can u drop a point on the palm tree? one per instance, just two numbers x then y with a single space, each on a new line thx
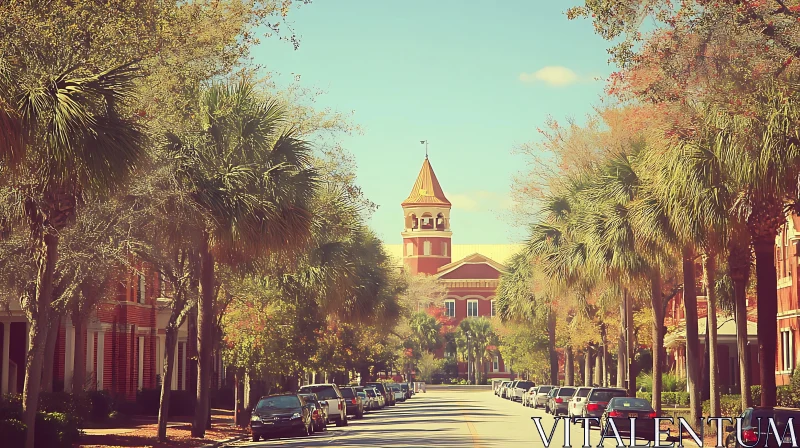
425 331
250 177
65 132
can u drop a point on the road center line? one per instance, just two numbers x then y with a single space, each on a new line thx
473 432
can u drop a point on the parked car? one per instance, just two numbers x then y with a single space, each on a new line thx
559 402
337 410
382 388
509 395
578 401
541 396
528 396
353 403
276 414
399 395
498 386
550 395
504 389
519 389
753 436
366 400
598 399
374 402
406 390
319 411
622 409
380 402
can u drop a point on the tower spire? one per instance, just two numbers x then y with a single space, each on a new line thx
425 142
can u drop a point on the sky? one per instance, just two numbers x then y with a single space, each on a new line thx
473 78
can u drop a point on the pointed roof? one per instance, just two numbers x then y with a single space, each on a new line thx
427 190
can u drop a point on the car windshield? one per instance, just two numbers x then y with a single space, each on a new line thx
369 392
310 398
404 387
582 392
323 392
525 385
605 395
566 391
347 392
361 394
281 402
629 403
544 389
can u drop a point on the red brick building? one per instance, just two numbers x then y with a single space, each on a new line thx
471 280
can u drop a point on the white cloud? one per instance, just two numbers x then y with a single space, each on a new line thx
557 76
480 201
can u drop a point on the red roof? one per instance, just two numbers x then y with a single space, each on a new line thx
427 190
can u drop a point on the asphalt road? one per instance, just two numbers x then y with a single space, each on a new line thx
443 419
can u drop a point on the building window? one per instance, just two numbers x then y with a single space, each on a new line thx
409 249
448 354
496 364
141 288
493 310
787 345
472 308
426 247
162 285
444 248
140 370
450 308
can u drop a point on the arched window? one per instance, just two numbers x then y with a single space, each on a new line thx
440 224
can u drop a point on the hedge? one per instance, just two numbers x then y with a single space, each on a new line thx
668 398
181 402
12 433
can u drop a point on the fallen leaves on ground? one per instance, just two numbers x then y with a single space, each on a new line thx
145 437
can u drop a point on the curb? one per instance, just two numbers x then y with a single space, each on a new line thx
224 442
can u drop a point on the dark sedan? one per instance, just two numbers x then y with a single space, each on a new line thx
559 402
752 435
622 409
281 414
597 401
354 403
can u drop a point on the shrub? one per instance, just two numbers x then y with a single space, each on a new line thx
12 433
181 402
101 404
675 398
729 406
56 430
11 407
669 382
78 406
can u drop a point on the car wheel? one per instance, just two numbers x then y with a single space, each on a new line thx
255 438
340 422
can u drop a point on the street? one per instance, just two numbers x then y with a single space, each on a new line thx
442 417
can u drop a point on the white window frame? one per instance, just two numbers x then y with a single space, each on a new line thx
426 247
469 302
444 248
493 312
496 364
409 249
787 349
447 310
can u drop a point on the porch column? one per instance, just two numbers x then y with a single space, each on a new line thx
6 342
160 350
89 353
101 345
183 373
69 357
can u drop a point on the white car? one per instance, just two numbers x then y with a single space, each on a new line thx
520 387
527 397
541 396
578 402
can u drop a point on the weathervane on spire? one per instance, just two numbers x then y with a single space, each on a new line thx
425 142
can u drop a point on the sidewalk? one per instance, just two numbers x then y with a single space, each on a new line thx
141 432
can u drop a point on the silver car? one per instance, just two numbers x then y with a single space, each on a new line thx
578 401
541 396
520 387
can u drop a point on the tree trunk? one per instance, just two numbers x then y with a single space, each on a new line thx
587 371
171 341
739 263
569 367
692 337
604 355
767 290
38 314
79 369
656 300
598 367
710 280
551 345
50 352
621 346
191 351
631 354
239 399
205 340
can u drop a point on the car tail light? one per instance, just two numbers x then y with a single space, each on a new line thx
749 436
592 407
558 400
653 415
315 414
354 401
614 414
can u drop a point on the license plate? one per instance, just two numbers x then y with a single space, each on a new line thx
633 415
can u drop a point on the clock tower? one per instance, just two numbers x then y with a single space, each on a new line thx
426 237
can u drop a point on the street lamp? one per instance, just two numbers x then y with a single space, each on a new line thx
469 360
425 142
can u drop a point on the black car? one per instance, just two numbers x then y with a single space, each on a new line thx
388 395
406 390
337 411
622 409
354 403
276 414
764 437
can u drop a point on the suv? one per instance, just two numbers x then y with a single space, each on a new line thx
337 410
519 389
387 393
281 413
353 403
